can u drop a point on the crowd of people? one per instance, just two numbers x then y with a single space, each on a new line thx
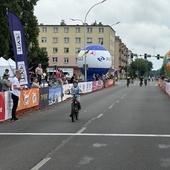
37 78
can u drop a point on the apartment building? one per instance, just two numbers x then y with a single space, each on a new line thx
63 43
122 58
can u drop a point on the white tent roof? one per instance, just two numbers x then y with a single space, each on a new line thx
3 62
11 62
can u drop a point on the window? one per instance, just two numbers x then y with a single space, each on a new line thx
101 41
55 40
44 29
66 29
55 50
66 50
101 30
55 59
55 29
89 40
66 40
78 40
66 60
77 50
43 39
89 30
77 29
44 49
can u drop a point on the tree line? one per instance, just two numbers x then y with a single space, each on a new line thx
24 9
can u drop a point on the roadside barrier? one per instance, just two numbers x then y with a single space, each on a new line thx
39 98
165 86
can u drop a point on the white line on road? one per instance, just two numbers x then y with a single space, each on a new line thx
100 116
81 130
40 164
87 134
110 106
123 96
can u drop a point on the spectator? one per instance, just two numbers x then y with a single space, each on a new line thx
58 74
6 83
94 77
35 83
97 77
39 73
72 78
0 84
65 81
104 80
6 72
16 87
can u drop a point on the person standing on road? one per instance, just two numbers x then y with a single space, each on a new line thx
39 73
16 87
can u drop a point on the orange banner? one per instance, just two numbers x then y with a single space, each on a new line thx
28 98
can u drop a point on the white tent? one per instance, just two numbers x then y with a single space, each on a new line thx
4 64
11 63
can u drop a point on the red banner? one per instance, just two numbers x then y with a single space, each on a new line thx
2 106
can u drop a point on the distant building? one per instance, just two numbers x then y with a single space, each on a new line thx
122 57
63 43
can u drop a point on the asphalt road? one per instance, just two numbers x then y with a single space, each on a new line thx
119 128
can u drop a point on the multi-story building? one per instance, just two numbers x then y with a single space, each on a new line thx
63 43
121 58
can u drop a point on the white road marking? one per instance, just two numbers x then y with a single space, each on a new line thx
163 146
86 160
40 164
99 116
98 145
123 96
111 105
87 134
89 122
81 130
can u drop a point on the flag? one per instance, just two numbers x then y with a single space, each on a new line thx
19 46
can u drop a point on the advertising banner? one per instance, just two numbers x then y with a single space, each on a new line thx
54 95
2 106
19 46
89 86
65 88
99 84
28 98
83 87
94 86
8 105
44 96
109 82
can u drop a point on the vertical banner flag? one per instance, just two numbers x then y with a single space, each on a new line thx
19 46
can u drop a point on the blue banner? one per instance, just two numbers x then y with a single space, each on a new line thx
54 95
19 46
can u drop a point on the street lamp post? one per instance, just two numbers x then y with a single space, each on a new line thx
84 23
114 54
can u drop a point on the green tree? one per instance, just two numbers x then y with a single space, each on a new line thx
5 41
24 9
141 67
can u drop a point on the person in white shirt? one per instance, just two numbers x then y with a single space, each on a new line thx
16 87
39 73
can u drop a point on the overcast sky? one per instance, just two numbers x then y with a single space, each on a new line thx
144 24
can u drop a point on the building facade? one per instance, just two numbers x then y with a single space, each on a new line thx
122 58
63 43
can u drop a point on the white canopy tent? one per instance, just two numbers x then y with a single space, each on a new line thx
4 64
